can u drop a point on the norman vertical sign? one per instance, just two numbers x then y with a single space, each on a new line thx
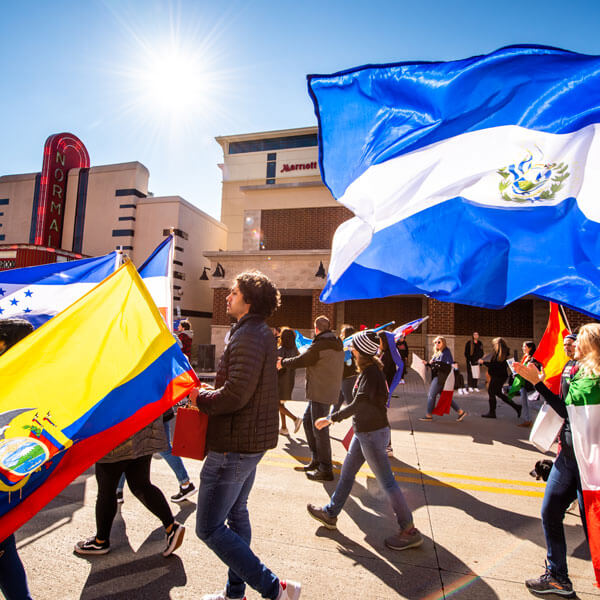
62 151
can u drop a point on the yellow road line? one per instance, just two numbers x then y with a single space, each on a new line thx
287 460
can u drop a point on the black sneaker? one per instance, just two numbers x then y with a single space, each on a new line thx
184 493
311 466
321 515
549 584
92 546
318 475
174 538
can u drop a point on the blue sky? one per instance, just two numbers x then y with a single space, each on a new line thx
156 81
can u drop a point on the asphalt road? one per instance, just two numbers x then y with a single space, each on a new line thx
468 484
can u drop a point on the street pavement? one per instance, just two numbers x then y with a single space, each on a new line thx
468 484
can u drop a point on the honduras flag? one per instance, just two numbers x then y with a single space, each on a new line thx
38 293
473 181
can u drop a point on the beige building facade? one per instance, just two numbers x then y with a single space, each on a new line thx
109 207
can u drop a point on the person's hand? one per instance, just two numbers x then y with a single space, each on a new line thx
527 372
193 396
322 423
425 362
279 367
480 361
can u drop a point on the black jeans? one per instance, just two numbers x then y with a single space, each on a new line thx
318 440
495 390
137 473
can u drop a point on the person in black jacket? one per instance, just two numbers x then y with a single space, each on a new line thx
243 423
564 483
371 437
473 352
498 371
286 379
324 363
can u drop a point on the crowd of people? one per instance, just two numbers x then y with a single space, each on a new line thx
354 376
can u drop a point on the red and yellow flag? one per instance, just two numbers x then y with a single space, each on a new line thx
550 351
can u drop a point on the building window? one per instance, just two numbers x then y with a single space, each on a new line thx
4 201
127 205
177 232
130 192
179 275
1 214
123 247
282 143
122 232
176 298
178 262
179 248
126 218
2 237
271 167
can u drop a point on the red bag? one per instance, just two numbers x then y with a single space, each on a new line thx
189 438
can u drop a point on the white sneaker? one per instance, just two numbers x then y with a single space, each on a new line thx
466 391
290 590
460 391
471 390
218 596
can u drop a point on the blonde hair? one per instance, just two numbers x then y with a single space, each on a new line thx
438 352
588 344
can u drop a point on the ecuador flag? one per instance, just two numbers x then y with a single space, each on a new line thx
78 386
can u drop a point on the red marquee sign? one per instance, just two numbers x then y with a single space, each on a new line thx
62 151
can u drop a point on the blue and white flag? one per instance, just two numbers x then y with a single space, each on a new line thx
473 181
38 293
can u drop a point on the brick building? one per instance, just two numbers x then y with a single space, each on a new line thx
281 219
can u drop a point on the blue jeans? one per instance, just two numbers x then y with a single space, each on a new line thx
370 446
225 483
13 581
318 440
525 414
435 389
173 461
563 486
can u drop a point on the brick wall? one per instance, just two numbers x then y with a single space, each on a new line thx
318 308
301 228
382 310
220 316
576 319
516 320
441 317
294 312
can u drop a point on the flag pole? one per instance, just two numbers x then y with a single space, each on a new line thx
563 314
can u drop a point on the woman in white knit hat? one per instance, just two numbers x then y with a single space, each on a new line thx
371 437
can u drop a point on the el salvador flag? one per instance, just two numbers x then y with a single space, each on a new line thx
474 181
39 293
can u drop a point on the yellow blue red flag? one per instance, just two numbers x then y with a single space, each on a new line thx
78 386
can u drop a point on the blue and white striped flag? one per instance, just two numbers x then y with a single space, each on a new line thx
473 181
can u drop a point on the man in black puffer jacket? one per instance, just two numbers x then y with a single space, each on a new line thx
243 424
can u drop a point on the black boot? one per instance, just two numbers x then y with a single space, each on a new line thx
489 415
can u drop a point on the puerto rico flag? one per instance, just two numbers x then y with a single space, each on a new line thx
472 181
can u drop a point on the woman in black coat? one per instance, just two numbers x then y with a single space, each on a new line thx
473 352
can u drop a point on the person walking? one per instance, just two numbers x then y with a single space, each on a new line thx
286 379
133 458
324 363
473 352
371 437
402 346
564 483
529 348
498 371
349 372
243 424
440 365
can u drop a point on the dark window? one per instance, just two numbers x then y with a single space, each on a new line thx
271 156
122 232
1 214
127 206
130 192
293 141
176 298
270 169
178 262
82 187
126 218
124 247
176 287
3 200
179 248
2 236
177 232
34 207
179 275
196 313
270 181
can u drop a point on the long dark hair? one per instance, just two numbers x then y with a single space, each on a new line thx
531 347
287 338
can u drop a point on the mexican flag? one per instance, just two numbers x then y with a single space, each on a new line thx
583 406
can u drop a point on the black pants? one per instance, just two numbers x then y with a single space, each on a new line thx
495 390
137 473
471 381
318 439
